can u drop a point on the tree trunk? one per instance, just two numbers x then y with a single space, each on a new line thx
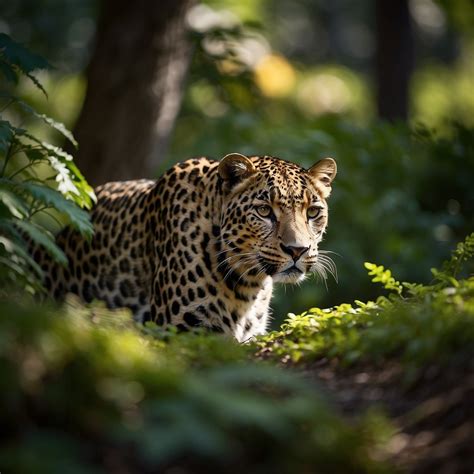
135 83
394 58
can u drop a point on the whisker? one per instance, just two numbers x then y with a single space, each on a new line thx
228 259
322 274
246 271
233 269
324 271
325 252
328 264
261 271
237 255
225 244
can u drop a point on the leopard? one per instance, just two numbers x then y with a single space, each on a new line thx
201 246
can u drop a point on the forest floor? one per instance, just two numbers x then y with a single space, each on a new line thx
92 389
433 415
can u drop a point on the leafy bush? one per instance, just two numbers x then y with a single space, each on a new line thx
87 391
419 324
37 179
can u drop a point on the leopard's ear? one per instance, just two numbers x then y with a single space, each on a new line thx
234 168
324 172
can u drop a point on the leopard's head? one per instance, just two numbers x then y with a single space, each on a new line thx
273 216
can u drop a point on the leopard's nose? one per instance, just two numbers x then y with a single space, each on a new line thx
294 252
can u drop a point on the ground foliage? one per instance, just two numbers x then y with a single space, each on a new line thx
87 387
85 390
418 324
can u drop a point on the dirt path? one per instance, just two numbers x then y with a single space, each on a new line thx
434 414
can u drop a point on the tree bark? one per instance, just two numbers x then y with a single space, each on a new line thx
394 58
134 88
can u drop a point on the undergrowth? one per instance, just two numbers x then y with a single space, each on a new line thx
419 324
40 186
86 390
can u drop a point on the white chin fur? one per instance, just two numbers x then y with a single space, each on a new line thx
289 279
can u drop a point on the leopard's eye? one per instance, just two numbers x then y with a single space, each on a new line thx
264 210
313 212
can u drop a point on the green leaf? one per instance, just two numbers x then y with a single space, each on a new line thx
51 149
44 238
16 246
33 153
7 132
78 218
464 252
86 193
58 126
17 54
21 59
383 276
17 206
71 182
8 72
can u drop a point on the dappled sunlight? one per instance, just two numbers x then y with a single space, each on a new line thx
334 90
203 18
322 94
275 76
442 94
205 98
428 16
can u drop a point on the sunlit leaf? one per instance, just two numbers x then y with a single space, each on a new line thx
58 126
17 206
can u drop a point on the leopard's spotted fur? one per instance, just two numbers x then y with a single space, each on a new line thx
202 245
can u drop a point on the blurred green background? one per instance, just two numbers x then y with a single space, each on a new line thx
300 83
